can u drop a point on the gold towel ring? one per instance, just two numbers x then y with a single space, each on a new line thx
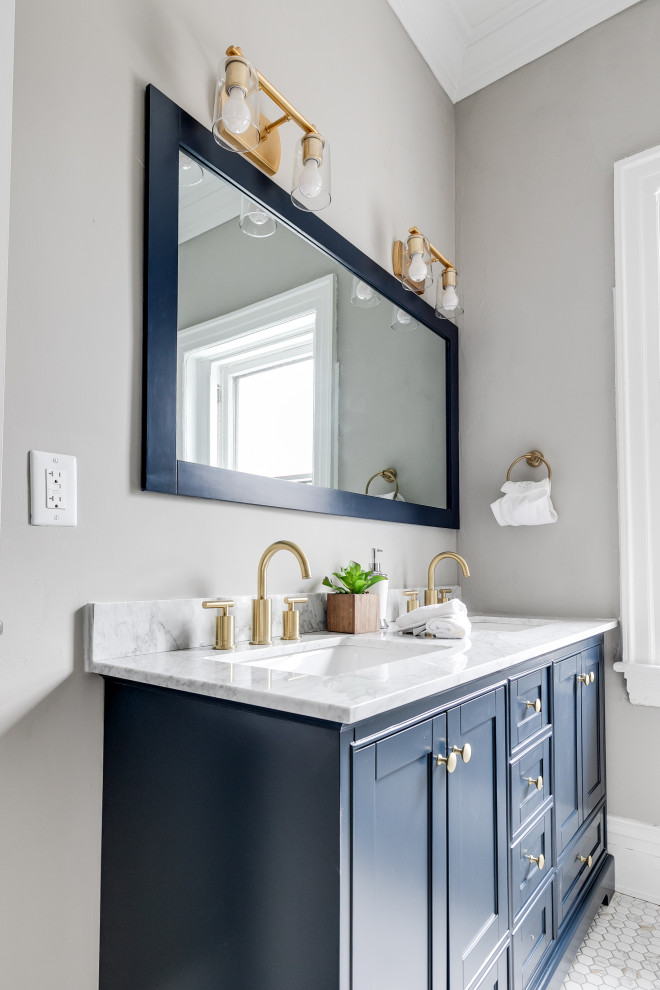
389 475
534 458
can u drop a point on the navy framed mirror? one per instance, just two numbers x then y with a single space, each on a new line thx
282 366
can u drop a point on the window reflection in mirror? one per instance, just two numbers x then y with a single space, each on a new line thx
284 371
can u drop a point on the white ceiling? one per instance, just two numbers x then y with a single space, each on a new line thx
468 44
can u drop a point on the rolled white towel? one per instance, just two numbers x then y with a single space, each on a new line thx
420 616
525 503
451 628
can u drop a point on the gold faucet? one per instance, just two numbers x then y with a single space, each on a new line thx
262 607
431 595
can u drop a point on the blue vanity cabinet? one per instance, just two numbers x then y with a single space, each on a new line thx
251 849
429 851
579 741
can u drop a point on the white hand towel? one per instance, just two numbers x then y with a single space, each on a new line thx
525 503
420 616
399 497
451 628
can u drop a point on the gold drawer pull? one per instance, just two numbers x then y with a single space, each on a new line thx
587 679
536 705
586 859
465 751
592 677
537 781
539 860
450 762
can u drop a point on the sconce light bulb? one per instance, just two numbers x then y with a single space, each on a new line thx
364 291
449 298
402 317
311 181
236 114
417 270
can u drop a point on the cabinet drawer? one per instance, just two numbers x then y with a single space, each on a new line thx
530 784
526 875
529 693
574 871
532 939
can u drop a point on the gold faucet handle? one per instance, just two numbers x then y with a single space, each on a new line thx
413 600
224 625
220 605
445 594
291 618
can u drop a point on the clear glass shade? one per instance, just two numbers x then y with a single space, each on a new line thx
255 220
363 296
236 124
311 174
402 320
190 173
416 271
447 302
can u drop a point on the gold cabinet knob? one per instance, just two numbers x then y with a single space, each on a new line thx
450 762
586 859
536 781
536 705
413 601
584 679
539 860
224 625
465 751
592 677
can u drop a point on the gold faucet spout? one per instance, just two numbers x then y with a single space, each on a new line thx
431 595
267 556
261 605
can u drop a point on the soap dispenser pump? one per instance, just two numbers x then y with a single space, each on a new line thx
381 587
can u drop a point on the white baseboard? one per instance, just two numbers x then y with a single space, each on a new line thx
636 850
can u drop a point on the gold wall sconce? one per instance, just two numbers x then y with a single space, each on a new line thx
239 125
412 263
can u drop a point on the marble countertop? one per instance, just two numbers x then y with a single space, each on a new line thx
354 695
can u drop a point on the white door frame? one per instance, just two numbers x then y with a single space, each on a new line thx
637 312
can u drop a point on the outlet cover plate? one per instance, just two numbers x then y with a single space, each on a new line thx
53 489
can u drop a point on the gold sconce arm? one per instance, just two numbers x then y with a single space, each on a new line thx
448 268
290 112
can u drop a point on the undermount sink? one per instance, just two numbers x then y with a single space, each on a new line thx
494 623
345 655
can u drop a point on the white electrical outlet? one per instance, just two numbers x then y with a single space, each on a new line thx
53 489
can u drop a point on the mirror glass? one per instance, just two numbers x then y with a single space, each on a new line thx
290 367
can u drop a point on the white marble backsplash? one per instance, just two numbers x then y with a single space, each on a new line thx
128 629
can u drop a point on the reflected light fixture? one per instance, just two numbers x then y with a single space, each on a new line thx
239 125
402 320
190 173
412 263
363 295
255 220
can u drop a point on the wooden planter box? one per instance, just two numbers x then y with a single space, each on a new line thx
353 613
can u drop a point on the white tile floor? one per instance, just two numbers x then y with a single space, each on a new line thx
621 949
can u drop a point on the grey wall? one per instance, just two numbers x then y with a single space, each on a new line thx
6 87
391 402
535 249
73 385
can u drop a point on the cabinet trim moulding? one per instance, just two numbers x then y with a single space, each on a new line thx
636 849
637 320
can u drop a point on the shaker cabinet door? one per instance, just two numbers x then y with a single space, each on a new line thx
477 836
392 862
593 737
567 741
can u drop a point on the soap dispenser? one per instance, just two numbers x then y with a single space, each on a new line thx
380 588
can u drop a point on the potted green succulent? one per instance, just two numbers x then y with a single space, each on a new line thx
350 608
